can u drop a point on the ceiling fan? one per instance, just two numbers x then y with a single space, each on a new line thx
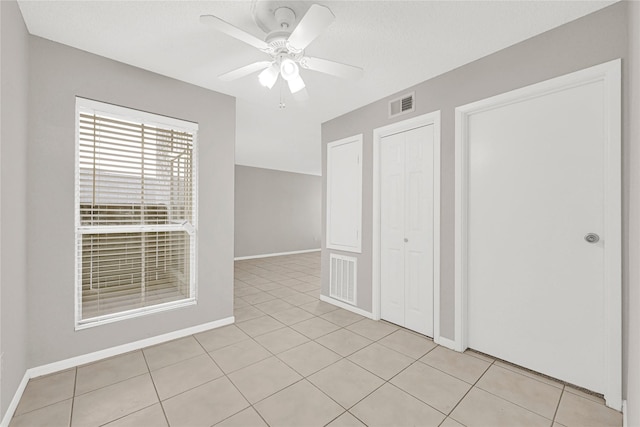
285 48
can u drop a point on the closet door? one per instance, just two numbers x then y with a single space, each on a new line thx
407 229
392 215
419 230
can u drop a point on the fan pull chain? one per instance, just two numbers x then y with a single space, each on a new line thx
282 105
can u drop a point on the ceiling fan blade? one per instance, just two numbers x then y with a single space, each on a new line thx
302 96
296 84
312 24
245 71
235 32
330 67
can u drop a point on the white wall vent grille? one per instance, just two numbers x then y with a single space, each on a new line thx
342 280
404 104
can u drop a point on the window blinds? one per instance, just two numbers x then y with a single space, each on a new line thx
135 213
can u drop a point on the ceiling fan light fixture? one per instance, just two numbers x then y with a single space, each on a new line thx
296 84
289 69
268 76
285 43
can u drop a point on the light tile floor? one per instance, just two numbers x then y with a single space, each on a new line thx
292 360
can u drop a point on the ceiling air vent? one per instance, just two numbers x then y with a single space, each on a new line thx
404 104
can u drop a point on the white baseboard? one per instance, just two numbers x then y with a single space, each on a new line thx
95 356
14 402
625 422
346 306
305 251
445 342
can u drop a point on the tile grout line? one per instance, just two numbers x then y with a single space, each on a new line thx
144 356
204 383
303 377
48 404
384 381
73 396
410 394
507 400
531 375
126 415
255 363
449 374
555 414
170 364
338 416
517 404
514 403
244 397
468 391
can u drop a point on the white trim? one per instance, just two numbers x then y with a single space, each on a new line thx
77 290
305 251
136 312
125 348
460 229
95 356
608 72
355 139
625 421
15 401
129 114
346 306
432 118
445 342
436 225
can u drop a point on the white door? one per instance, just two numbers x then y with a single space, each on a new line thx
406 229
535 284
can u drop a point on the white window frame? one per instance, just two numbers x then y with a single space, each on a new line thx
91 106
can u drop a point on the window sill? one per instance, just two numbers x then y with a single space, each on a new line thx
131 314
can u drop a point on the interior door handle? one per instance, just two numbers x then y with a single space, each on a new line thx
592 238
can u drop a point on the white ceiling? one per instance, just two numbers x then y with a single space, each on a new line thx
398 43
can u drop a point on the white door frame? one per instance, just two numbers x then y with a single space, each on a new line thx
609 73
432 118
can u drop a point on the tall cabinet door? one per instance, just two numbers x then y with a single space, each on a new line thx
407 229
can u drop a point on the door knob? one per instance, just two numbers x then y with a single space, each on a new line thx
592 238
406 240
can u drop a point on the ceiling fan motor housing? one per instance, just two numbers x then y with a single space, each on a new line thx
285 17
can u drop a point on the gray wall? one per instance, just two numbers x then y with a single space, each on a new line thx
58 73
276 211
632 163
13 176
591 40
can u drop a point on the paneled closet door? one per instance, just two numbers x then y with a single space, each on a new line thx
407 229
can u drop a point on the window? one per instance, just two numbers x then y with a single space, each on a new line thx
136 213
